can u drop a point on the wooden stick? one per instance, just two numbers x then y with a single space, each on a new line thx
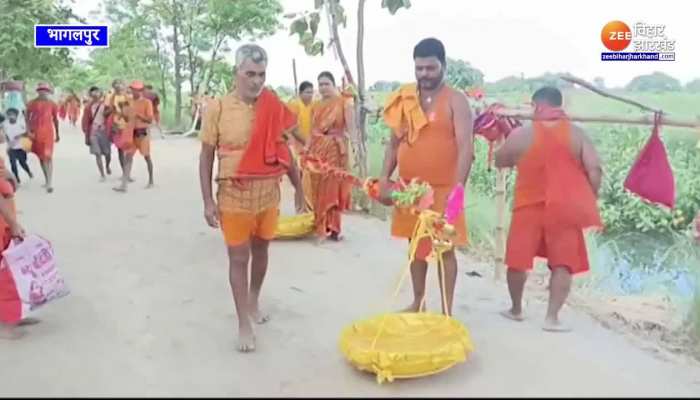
500 220
643 120
294 71
592 88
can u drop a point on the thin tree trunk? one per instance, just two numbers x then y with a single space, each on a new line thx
332 9
178 71
360 108
214 54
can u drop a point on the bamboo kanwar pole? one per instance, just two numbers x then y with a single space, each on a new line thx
643 120
500 219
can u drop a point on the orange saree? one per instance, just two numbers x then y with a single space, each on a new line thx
326 194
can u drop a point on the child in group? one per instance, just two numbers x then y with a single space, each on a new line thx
15 130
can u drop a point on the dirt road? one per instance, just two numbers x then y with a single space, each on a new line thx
151 312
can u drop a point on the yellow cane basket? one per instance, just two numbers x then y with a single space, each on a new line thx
409 345
295 226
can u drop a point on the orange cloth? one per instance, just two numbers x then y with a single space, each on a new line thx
431 157
239 227
73 108
553 202
42 114
267 154
530 236
403 223
227 125
10 303
142 145
142 107
328 195
403 113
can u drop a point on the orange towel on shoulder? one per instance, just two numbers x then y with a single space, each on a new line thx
403 113
267 154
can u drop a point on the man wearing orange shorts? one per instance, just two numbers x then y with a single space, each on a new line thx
245 129
437 147
559 175
141 117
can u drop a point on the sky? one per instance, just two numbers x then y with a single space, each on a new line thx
501 38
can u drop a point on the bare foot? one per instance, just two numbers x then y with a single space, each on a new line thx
109 171
29 322
512 316
150 186
49 190
103 179
257 316
413 308
320 241
337 237
121 189
10 332
553 325
246 340
131 180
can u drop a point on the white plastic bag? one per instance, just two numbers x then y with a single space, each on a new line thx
33 266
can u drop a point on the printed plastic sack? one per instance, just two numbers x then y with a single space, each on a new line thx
32 264
651 176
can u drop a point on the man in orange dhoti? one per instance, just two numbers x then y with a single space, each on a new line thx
42 120
72 105
332 123
246 128
141 117
559 174
115 121
432 141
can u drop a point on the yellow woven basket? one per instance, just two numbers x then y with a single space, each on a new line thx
406 345
295 226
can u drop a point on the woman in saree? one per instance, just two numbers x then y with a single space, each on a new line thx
332 121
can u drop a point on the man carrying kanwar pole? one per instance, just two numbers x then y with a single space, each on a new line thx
246 129
42 120
431 140
558 178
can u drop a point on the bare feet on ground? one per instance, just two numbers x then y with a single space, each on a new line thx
10 332
246 339
554 325
29 321
513 316
121 189
151 185
258 316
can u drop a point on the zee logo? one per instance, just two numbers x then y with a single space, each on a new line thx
616 35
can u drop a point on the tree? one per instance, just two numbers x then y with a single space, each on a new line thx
384 86
461 75
655 82
17 52
306 24
507 84
197 34
693 86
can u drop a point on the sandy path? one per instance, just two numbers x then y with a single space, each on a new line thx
151 312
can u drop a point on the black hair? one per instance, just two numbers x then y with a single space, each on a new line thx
430 47
12 111
306 84
549 95
93 88
328 75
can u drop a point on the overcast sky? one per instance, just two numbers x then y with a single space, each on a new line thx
501 38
